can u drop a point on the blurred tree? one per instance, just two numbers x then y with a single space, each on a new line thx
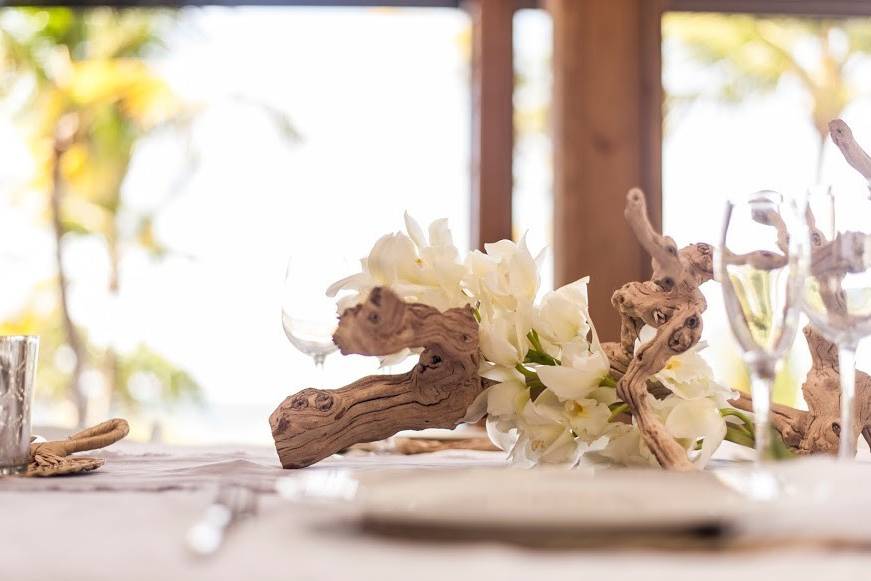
752 55
738 57
87 97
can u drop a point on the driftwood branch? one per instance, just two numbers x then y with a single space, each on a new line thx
671 303
315 423
842 135
819 430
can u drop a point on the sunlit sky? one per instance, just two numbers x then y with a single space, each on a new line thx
380 99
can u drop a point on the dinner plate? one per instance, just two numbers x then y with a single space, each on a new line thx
489 499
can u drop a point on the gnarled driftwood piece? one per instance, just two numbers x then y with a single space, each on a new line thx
671 303
818 430
315 423
842 135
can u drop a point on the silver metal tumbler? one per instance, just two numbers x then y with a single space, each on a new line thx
17 369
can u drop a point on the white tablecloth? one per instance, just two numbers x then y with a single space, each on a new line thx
128 522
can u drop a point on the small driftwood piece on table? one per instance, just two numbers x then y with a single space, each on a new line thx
819 429
315 423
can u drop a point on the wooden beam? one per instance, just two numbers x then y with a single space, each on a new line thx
607 105
492 119
814 8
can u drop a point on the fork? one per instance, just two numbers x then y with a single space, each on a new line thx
232 504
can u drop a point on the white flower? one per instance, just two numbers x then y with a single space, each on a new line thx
582 370
505 277
694 419
502 336
504 281
587 418
563 314
416 269
507 398
543 438
688 375
626 447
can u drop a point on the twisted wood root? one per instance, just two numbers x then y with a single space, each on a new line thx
315 423
671 303
819 430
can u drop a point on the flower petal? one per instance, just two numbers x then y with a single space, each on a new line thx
575 382
415 232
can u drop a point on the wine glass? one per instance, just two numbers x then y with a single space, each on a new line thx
760 264
308 316
837 294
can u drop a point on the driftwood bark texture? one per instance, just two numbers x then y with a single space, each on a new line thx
314 423
672 303
818 430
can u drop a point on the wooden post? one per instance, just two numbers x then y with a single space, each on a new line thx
492 119
607 139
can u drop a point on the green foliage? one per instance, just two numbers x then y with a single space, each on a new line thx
751 55
175 385
90 97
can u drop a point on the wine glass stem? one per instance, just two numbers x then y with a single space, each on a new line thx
319 361
761 384
847 371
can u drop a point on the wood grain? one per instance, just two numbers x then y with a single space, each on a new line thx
492 119
316 423
607 109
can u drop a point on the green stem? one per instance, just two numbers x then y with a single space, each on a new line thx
527 373
534 356
608 381
537 354
535 340
533 382
748 428
617 409
739 436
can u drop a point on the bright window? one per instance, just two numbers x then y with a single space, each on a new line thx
205 147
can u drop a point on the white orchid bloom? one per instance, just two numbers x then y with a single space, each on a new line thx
417 268
694 419
508 398
586 418
544 436
545 444
563 314
504 277
502 336
583 368
494 400
626 447
688 375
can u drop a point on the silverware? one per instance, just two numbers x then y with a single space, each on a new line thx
232 504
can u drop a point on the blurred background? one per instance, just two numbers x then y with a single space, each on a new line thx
162 164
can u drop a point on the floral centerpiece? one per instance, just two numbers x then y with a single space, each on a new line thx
553 397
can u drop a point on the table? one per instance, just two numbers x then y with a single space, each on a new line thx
128 522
